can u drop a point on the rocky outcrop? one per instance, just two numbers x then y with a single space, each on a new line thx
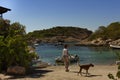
16 70
115 42
99 42
60 39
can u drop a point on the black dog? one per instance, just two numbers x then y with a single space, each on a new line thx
85 67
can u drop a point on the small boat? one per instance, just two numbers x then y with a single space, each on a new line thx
36 44
73 59
115 46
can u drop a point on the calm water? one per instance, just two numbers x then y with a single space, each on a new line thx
96 55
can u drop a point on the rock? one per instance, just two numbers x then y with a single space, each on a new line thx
41 65
115 42
17 70
118 62
95 42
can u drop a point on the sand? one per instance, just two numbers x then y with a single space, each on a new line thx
98 72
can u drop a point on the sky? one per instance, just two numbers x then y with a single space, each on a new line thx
45 14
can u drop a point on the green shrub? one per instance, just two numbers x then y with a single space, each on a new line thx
13 46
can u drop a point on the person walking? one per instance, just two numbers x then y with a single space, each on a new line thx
65 55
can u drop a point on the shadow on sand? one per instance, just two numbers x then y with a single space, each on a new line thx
32 73
92 75
84 74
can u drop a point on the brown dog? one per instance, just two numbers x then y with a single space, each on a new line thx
85 67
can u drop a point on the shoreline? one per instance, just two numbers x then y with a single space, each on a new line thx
98 72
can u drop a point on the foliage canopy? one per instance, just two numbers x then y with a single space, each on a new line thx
13 46
67 31
112 31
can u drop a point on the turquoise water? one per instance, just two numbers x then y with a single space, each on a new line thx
96 55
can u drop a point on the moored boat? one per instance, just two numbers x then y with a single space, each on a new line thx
115 46
73 59
36 44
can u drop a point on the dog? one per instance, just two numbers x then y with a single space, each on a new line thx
85 67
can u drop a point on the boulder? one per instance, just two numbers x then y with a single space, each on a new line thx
17 70
118 62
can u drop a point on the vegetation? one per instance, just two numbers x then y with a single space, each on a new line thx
112 31
118 72
13 46
74 32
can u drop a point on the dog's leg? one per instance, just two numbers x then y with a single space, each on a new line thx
86 72
80 72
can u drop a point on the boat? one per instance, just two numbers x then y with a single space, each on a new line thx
73 59
115 46
36 44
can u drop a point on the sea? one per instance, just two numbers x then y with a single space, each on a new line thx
87 54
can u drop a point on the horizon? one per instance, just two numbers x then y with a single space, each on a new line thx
45 14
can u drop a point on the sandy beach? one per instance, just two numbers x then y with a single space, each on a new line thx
98 72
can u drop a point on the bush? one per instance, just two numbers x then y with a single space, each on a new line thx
13 46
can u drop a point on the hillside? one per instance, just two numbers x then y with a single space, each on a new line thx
105 35
60 33
112 31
